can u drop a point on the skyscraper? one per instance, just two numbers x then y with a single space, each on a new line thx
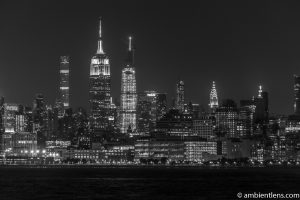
100 87
161 101
297 94
213 98
179 102
151 107
227 118
64 87
128 94
261 106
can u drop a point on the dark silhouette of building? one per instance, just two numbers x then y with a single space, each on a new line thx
179 102
261 107
296 94
227 118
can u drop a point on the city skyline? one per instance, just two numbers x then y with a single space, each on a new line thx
40 67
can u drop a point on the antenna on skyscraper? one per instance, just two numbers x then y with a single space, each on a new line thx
100 48
130 51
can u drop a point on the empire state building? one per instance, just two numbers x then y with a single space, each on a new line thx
99 88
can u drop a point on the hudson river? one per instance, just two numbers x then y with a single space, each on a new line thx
144 183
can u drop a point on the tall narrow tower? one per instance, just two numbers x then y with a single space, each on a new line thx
64 86
179 103
297 95
213 98
100 87
128 94
261 114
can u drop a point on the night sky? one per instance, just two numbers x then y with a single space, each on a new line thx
238 44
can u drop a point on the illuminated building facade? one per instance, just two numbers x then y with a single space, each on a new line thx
161 105
151 107
197 151
64 87
176 123
245 122
9 117
24 142
99 88
297 95
227 118
179 102
204 127
159 149
1 114
213 98
20 123
128 105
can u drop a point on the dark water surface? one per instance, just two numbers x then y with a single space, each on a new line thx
143 183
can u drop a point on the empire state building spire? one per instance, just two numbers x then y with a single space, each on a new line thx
100 48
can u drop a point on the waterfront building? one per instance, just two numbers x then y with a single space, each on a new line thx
204 127
160 149
24 143
199 151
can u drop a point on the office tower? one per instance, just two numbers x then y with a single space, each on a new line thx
204 126
246 117
20 122
28 119
151 107
113 115
147 111
1 114
144 105
175 123
161 105
227 118
297 95
99 88
245 122
179 101
128 94
39 110
9 117
261 107
64 87
213 98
